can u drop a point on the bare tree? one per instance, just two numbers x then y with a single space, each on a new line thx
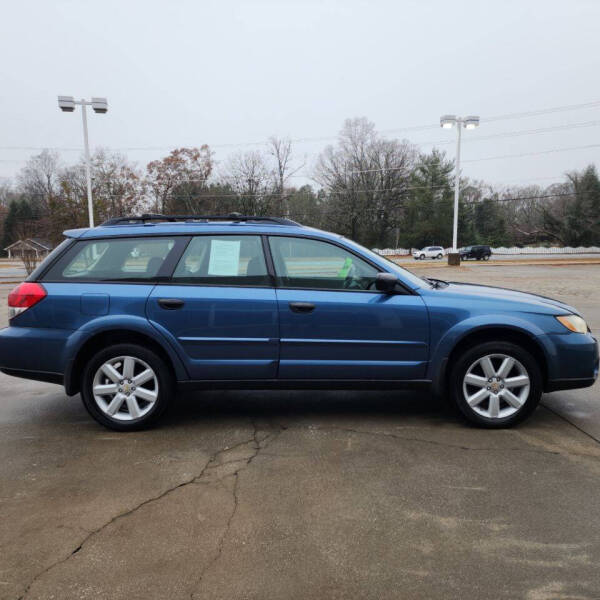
40 178
27 230
118 186
281 151
249 177
366 178
532 212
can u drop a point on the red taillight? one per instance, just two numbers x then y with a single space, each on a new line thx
24 296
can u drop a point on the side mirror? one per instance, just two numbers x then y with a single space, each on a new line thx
386 282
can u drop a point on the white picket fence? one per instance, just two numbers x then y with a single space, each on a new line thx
502 250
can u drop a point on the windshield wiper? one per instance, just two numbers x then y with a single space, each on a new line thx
437 283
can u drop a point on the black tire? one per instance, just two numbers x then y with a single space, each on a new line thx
422 257
440 256
163 377
469 357
486 257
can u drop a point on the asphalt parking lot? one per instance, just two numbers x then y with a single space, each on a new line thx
274 495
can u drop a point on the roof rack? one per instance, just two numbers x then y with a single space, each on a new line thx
235 217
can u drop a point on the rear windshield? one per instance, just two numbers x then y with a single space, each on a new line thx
122 259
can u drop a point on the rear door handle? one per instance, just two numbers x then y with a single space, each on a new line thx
302 307
170 303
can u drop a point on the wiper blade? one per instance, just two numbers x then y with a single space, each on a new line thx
436 283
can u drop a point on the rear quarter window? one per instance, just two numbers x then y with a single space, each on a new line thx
113 259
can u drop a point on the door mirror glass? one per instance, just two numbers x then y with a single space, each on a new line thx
386 282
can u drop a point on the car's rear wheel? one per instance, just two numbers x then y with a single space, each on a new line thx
126 387
486 257
496 384
440 256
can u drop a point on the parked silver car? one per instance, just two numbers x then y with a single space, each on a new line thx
428 252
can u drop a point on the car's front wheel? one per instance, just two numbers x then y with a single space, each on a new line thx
496 384
440 256
126 387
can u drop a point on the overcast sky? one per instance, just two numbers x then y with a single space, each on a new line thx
184 73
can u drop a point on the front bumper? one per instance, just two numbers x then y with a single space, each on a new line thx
574 362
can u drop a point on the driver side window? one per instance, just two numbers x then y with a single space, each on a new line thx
306 263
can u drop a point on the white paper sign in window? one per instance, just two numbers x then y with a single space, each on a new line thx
224 258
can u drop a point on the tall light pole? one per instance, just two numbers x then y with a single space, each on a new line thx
100 105
447 122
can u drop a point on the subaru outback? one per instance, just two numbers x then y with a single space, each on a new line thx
127 313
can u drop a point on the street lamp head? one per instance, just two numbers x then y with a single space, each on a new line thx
100 105
471 122
66 103
448 121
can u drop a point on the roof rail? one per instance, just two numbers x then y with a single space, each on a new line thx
235 217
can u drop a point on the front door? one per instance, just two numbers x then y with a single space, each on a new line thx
334 324
220 310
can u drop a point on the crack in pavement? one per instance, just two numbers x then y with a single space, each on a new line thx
210 463
258 446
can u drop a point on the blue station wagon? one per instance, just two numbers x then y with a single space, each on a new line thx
128 312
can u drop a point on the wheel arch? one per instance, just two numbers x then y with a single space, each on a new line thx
108 337
505 333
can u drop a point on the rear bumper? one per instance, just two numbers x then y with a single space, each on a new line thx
35 375
33 350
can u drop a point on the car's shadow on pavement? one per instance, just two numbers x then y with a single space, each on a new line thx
314 405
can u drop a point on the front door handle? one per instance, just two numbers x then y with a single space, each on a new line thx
302 307
170 303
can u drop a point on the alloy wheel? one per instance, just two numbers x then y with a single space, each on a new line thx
125 388
496 386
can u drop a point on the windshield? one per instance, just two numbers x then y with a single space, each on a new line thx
403 273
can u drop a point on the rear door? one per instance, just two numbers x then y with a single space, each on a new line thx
219 309
334 324
103 277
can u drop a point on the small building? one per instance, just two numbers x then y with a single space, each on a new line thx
40 248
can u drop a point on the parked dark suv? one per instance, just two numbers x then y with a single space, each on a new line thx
129 312
478 252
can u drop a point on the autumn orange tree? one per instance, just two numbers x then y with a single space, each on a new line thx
178 181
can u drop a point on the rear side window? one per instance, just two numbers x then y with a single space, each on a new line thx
223 260
117 259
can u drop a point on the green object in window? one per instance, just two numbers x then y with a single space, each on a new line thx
343 272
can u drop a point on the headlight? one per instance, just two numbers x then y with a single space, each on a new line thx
573 323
